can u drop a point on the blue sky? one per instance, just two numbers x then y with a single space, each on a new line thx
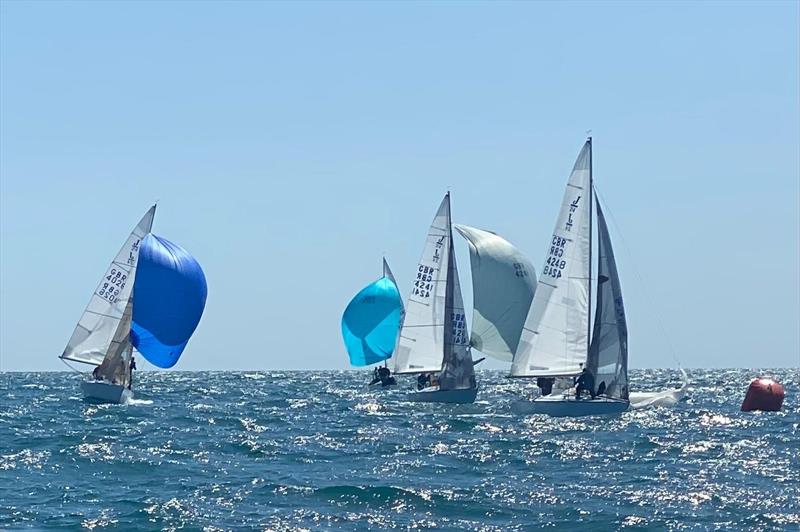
290 145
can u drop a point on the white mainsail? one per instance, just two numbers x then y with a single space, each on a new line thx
555 338
99 323
420 347
503 284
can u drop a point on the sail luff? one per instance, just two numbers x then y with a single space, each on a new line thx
97 326
554 338
589 291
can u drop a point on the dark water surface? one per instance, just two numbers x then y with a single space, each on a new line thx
309 450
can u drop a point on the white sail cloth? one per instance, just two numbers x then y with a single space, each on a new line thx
420 345
92 337
115 367
434 335
555 337
503 284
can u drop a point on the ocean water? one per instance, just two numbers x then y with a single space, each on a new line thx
314 450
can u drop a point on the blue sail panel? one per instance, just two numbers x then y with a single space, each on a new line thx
169 295
371 321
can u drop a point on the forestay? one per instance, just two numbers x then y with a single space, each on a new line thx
458 371
608 353
555 337
371 321
503 284
420 346
96 328
169 298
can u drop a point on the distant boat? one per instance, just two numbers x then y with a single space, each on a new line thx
370 325
503 284
434 340
170 291
555 341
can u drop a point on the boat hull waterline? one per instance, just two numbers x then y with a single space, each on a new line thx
570 406
105 392
435 395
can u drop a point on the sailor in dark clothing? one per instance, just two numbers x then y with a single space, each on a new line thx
132 367
585 382
545 385
383 375
422 381
375 378
96 373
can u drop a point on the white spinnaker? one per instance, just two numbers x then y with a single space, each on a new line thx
96 328
420 347
503 284
555 337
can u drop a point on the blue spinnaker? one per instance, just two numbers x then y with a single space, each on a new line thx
169 295
371 321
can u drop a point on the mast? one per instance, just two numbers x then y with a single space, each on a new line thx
589 320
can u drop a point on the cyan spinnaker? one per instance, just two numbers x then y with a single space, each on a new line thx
168 300
371 321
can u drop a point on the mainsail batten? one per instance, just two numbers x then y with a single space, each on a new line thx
95 331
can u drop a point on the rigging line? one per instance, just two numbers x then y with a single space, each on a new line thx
70 366
642 284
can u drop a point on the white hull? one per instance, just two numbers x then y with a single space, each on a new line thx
105 392
435 395
561 406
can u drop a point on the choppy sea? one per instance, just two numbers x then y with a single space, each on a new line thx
282 450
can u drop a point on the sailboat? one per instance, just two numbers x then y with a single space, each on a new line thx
503 285
434 339
556 342
370 325
170 291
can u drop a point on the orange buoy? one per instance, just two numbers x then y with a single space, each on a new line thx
763 394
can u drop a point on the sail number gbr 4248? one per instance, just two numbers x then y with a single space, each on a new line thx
555 261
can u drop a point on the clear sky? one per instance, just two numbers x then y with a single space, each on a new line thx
291 145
